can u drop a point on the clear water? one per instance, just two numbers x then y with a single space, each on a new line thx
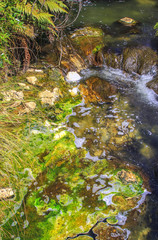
135 103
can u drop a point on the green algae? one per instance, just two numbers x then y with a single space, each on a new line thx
112 220
73 192
76 192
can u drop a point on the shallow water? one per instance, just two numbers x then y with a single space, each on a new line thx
135 103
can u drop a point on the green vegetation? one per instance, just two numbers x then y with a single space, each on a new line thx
22 23
27 139
156 28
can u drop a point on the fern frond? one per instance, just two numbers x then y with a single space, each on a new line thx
26 9
44 17
55 6
21 6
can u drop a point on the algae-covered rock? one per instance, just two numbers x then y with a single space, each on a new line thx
139 60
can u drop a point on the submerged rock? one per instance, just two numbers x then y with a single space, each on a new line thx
97 90
103 127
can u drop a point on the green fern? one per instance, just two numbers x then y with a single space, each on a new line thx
55 6
41 10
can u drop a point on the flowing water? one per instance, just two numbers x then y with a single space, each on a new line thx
124 127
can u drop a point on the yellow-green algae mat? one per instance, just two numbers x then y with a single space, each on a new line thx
74 193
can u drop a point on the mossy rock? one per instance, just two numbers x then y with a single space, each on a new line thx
113 60
88 40
140 60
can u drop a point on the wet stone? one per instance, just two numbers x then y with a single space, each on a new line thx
139 59
81 192
73 77
97 90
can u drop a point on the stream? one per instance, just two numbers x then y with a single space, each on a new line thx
121 129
